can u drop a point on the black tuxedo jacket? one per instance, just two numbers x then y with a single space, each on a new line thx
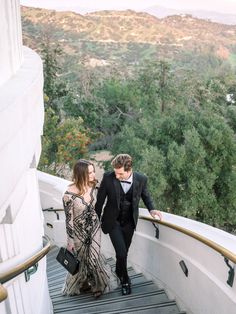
109 191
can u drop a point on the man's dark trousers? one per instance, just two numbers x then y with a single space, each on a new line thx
121 237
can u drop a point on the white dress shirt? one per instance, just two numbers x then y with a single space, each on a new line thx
127 186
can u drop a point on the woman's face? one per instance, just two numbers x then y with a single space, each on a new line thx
91 173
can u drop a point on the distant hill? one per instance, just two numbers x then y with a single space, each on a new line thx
126 37
223 18
161 11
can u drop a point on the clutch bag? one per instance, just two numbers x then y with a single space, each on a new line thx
68 260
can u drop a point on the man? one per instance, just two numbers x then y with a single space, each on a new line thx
122 190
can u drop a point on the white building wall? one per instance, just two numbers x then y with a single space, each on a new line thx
205 289
21 126
10 39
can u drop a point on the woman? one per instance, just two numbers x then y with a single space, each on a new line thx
84 234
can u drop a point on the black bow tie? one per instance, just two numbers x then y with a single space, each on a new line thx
125 181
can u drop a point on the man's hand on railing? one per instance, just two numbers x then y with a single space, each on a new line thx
156 214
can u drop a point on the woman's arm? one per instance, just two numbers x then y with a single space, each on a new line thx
68 205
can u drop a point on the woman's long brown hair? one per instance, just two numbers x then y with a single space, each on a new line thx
81 175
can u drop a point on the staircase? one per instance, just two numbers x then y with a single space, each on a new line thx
146 297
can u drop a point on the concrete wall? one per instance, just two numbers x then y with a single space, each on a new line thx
10 39
21 126
205 289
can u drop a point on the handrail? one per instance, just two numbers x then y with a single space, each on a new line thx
17 270
54 210
51 209
220 249
3 293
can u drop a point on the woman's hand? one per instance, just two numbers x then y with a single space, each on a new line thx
70 247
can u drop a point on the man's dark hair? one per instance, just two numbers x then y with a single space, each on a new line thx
122 160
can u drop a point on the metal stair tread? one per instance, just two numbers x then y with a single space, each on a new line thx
147 286
114 298
59 280
117 305
146 297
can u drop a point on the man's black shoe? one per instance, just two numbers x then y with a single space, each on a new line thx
126 288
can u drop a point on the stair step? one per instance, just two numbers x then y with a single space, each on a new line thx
114 304
146 297
59 272
56 288
137 290
147 286
60 278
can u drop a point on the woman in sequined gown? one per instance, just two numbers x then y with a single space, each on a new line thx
84 234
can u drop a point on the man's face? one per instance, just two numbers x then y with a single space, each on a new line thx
121 174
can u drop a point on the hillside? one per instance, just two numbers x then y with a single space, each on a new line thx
127 37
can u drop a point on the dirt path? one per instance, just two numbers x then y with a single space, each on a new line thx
97 159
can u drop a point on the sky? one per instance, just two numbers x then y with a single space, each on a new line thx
222 6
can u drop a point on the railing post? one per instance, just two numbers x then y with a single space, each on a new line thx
230 280
30 271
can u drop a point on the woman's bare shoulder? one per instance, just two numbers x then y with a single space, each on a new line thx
72 188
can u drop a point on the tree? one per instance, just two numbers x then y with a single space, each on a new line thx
54 87
189 156
65 139
63 143
156 83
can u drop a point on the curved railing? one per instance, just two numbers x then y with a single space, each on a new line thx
17 270
54 210
51 209
220 249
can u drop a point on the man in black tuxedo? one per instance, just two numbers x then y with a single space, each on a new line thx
122 190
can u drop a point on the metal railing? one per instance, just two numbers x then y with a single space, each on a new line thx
227 254
55 211
24 266
220 249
